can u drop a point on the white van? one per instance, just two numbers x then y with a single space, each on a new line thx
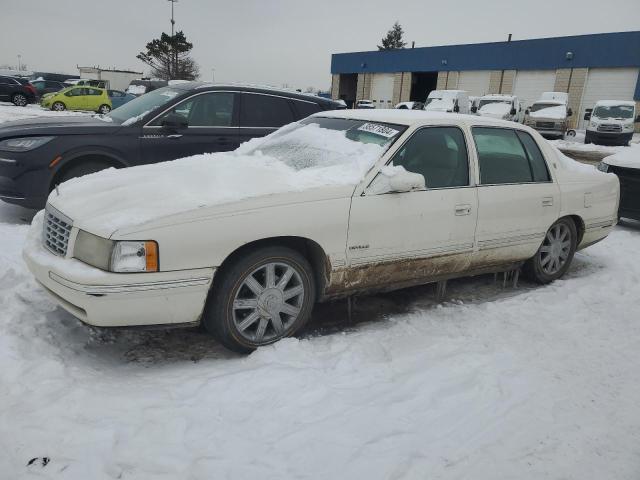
611 122
504 107
447 101
549 115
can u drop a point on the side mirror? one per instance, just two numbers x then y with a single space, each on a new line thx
401 181
474 109
569 112
587 116
637 120
174 121
456 108
527 111
513 111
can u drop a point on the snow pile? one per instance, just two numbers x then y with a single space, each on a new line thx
586 147
559 112
532 383
295 159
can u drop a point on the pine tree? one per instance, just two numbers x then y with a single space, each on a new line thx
393 40
169 58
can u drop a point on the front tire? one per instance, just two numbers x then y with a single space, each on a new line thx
104 109
58 107
553 258
260 298
80 170
19 100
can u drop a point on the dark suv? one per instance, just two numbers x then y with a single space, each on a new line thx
168 123
16 90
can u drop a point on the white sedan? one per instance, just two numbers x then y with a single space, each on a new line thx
341 203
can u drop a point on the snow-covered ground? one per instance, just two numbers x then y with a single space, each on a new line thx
9 112
526 383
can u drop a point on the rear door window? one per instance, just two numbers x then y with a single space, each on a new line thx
501 156
536 159
264 111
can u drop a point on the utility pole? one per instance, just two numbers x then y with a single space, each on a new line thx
175 52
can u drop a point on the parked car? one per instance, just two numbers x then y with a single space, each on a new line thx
165 124
504 107
410 106
365 104
341 203
47 86
20 93
456 101
611 122
626 166
78 98
119 98
550 114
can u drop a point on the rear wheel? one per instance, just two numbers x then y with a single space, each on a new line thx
19 100
104 109
261 298
58 106
554 256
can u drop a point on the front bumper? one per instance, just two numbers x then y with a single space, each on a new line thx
606 138
24 181
105 299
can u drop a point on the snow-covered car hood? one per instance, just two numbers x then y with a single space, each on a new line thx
558 112
629 157
204 185
495 110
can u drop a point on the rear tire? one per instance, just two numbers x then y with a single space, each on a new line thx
553 258
58 107
19 100
260 298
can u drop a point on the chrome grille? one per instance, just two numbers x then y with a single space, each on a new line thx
609 127
546 125
56 230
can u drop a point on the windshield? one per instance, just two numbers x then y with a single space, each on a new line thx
539 106
322 142
136 109
614 111
488 101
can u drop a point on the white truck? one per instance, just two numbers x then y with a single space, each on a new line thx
447 101
611 122
504 107
550 114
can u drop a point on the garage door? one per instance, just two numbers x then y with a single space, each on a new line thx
382 89
474 82
529 84
607 84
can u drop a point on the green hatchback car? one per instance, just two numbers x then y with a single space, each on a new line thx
78 98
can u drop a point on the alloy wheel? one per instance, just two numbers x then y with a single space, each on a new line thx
555 249
268 302
20 100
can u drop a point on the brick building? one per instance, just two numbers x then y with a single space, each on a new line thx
588 67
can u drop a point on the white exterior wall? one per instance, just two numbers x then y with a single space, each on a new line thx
116 80
475 82
382 89
529 84
607 84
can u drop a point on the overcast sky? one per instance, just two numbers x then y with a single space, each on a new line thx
279 41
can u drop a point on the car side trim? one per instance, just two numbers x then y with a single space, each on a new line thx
100 290
510 241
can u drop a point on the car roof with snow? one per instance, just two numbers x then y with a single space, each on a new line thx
498 96
416 117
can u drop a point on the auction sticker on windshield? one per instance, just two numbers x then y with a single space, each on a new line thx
378 129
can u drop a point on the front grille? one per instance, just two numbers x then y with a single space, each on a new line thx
56 230
545 125
610 127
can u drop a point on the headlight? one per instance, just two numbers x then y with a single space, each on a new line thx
116 256
135 257
603 167
593 124
628 126
23 144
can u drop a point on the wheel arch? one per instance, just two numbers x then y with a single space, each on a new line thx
580 228
108 158
308 248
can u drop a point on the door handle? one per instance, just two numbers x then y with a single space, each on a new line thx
463 210
547 202
174 136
